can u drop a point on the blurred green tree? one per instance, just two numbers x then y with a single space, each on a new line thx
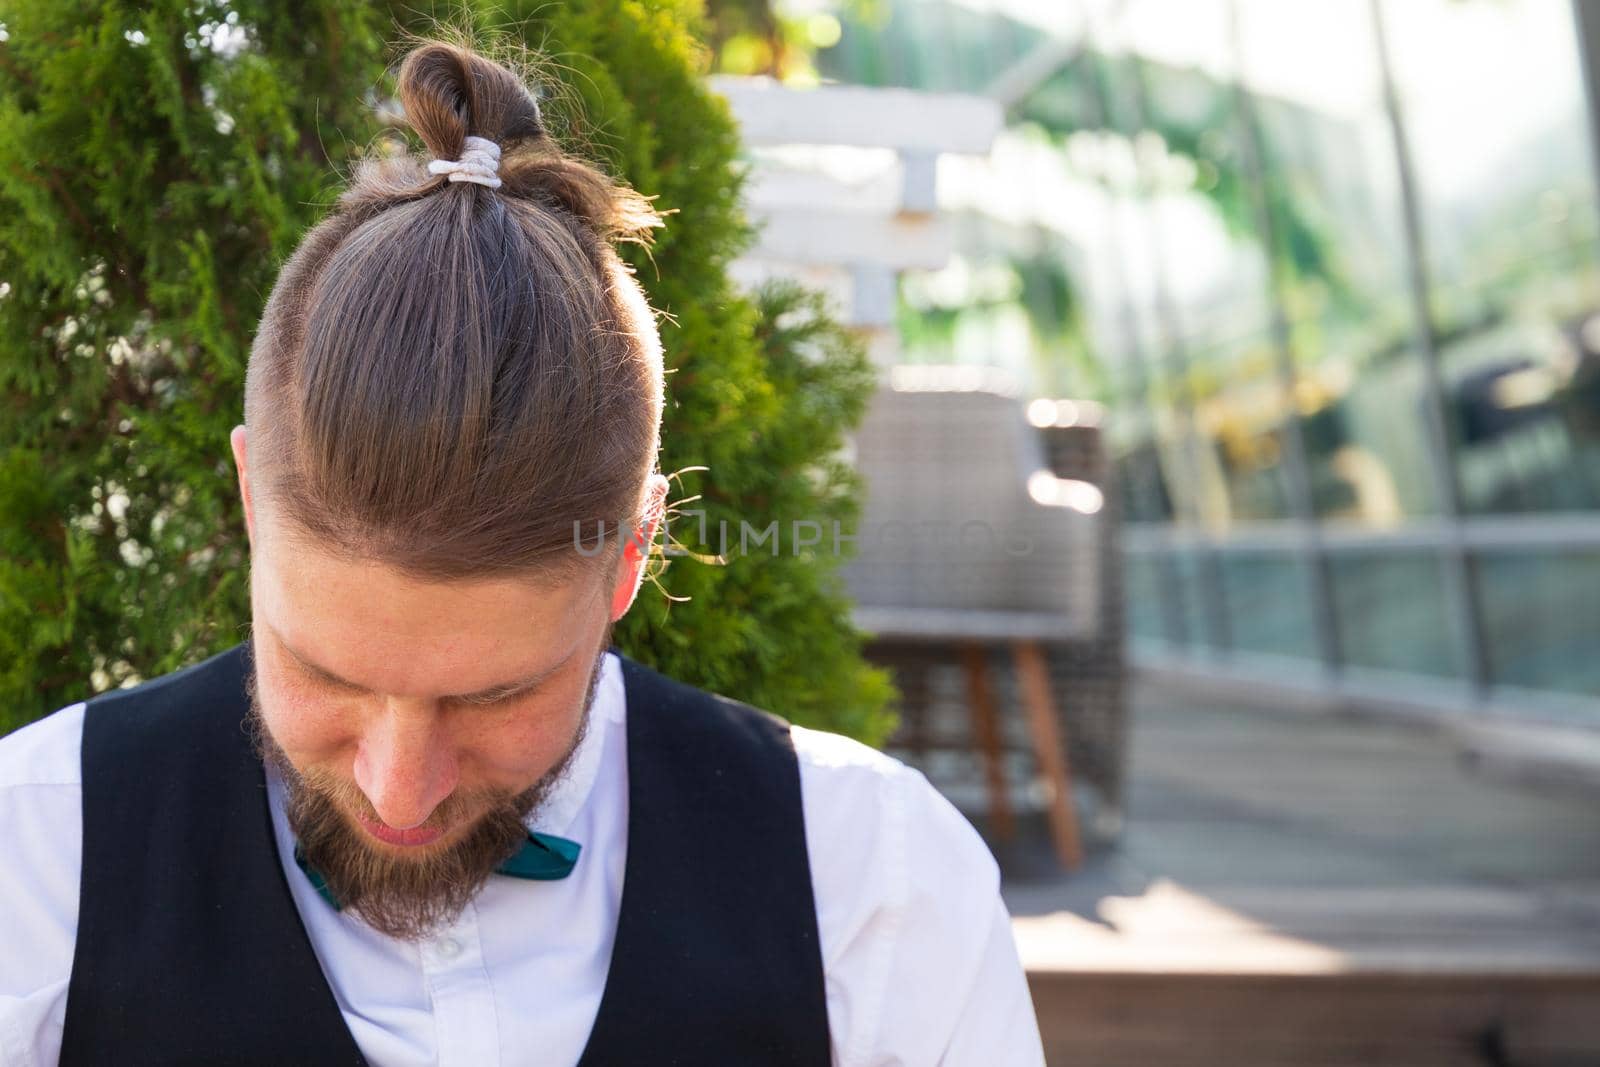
164 158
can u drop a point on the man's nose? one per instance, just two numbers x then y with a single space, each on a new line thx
405 764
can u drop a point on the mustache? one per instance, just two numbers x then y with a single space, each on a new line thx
344 795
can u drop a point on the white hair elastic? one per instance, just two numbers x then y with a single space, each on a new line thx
479 162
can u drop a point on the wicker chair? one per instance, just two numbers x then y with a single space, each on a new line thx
972 551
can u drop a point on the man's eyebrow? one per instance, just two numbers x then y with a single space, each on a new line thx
483 696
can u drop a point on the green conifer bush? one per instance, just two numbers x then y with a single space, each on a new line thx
161 160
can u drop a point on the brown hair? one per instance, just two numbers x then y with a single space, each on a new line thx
449 377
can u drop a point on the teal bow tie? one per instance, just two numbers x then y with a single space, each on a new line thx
542 858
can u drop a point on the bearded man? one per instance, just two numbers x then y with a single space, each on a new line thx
426 814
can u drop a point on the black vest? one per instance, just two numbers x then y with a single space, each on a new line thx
190 949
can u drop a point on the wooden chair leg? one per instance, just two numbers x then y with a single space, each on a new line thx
986 725
1049 746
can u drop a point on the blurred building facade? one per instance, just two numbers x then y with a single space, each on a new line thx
1334 270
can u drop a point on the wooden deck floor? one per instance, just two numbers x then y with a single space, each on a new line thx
1295 890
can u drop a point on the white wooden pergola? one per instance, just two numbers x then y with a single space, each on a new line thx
843 187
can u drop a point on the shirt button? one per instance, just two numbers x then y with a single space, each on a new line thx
448 948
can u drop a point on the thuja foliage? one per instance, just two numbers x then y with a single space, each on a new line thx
161 160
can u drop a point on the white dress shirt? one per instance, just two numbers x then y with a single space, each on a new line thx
917 950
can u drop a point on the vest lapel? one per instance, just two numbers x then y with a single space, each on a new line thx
716 959
190 949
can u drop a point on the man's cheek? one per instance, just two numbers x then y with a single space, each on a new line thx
309 726
521 747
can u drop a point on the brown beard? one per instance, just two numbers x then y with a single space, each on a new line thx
406 897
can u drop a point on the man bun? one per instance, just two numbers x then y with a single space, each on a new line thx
449 93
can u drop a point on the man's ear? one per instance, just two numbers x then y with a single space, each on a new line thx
237 439
636 549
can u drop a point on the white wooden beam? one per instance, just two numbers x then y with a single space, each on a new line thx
798 235
773 188
902 119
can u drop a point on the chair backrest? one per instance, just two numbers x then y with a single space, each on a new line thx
949 524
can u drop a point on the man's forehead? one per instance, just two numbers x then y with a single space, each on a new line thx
523 681
366 624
